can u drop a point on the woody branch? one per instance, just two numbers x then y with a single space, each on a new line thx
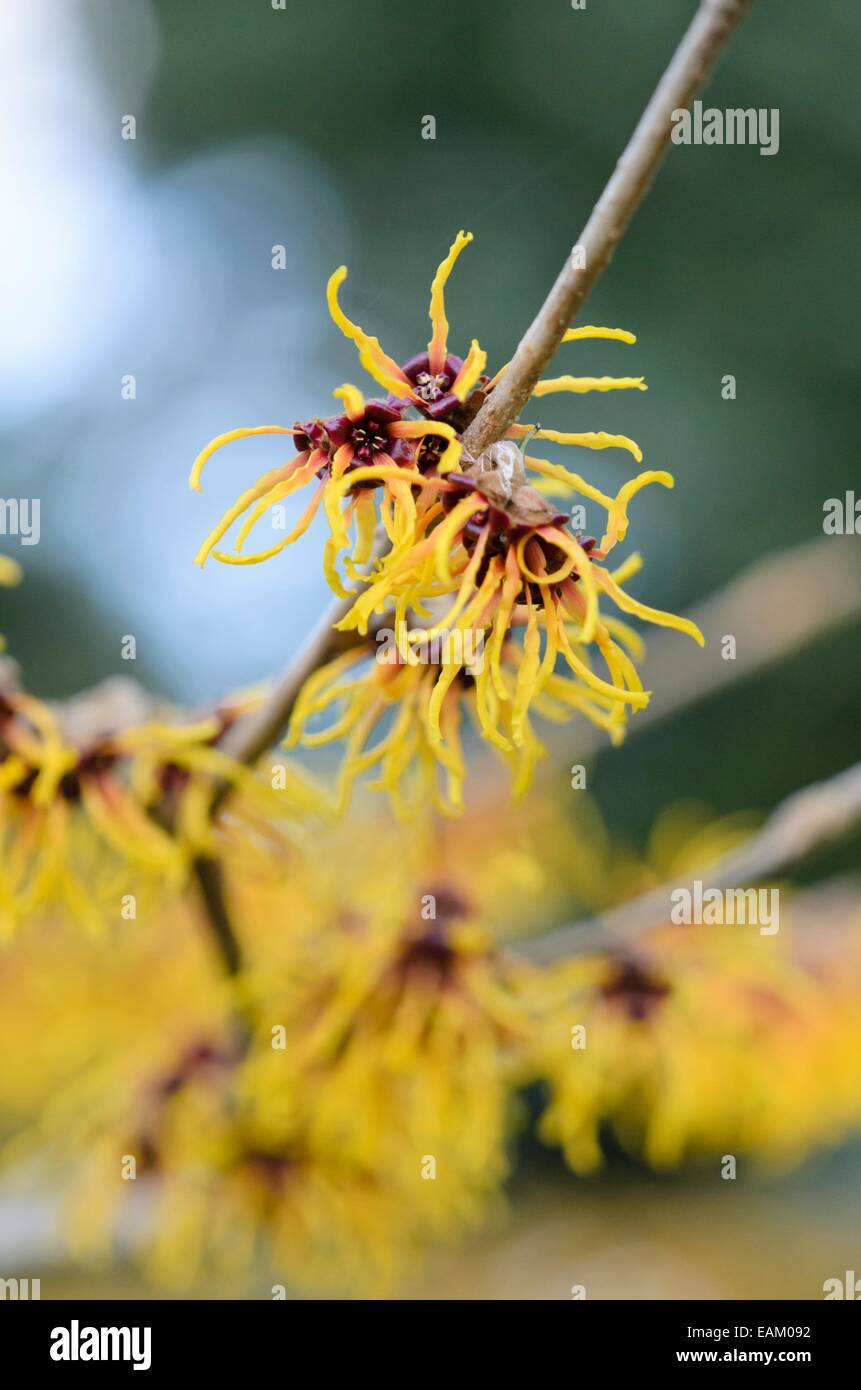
806 822
688 69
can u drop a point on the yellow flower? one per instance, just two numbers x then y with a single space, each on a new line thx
435 382
370 444
401 1043
389 728
219 1195
10 575
369 1110
89 825
367 1113
481 567
701 1041
481 570
509 588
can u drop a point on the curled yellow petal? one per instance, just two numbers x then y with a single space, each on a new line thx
441 688
438 345
558 474
375 361
445 533
279 480
291 484
642 610
527 675
585 570
354 401
298 530
365 513
617 519
554 577
474 364
511 585
637 698
628 635
593 439
221 439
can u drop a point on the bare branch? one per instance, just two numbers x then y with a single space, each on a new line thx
251 736
689 68
210 881
806 822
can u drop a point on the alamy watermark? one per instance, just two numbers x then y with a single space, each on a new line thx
719 907
22 517
77 1343
733 126
20 1289
842 515
435 646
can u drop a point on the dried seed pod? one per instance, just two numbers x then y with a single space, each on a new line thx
528 508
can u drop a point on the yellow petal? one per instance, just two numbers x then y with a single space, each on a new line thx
617 520
375 361
593 439
438 345
474 365
642 610
298 530
354 401
205 454
588 383
572 480
590 331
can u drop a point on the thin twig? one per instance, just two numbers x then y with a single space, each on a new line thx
208 874
688 69
246 741
250 737
806 822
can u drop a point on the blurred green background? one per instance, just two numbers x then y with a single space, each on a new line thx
259 127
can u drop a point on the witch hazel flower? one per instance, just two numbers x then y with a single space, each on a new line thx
475 546
374 444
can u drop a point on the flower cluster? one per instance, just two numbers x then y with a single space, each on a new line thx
89 818
473 546
699 1046
367 1106
363 1110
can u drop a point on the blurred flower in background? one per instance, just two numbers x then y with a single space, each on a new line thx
355 1096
